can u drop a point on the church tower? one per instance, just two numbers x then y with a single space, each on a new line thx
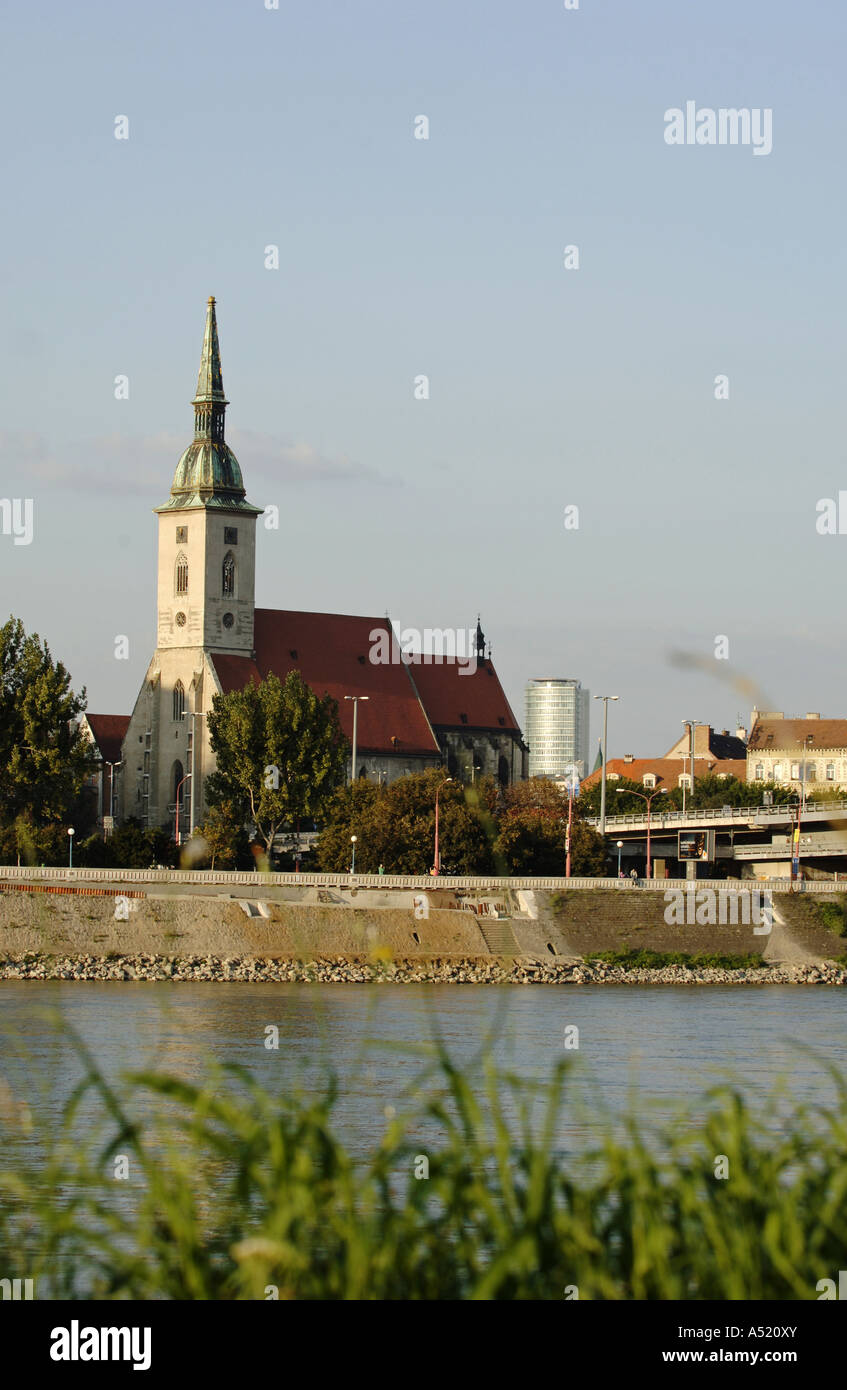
205 607
207 530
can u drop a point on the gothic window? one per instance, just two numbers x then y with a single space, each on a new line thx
181 574
179 701
229 575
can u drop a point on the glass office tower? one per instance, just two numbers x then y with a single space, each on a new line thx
556 727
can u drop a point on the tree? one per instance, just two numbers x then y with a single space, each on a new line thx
44 757
223 838
533 832
280 752
395 826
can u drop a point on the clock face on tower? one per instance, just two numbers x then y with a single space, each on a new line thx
228 620
180 620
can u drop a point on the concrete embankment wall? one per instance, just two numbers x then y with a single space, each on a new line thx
581 924
187 926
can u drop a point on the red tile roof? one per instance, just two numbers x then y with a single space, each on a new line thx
109 731
668 770
332 653
450 690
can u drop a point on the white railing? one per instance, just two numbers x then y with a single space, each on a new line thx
420 882
783 812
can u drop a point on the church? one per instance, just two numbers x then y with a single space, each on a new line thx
413 713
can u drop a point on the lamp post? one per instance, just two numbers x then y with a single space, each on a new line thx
355 699
353 839
691 725
436 868
605 699
806 741
195 715
660 791
71 833
176 808
111 767
620 847
572 784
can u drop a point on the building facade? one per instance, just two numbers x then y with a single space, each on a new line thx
807 752
556 727
414 711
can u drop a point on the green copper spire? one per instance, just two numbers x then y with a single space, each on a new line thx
208 474
210 382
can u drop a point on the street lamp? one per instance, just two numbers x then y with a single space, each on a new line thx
806 741
436 869
111 767
71 833
355 699
660 791
572 784
195 715
620 847
691 725
353 839
179 787
605 699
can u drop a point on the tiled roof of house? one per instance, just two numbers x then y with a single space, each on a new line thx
668 771
787 734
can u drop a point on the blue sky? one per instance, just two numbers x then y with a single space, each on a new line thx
549 387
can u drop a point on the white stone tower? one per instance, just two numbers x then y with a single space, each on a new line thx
206 600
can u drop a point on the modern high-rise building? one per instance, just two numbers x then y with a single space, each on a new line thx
556 727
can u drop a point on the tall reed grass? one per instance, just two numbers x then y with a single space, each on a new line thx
238 1194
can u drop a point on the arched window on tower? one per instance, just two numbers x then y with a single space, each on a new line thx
179 701
228 585
181 574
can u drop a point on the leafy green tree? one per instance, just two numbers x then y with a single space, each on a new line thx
533 832
224 839
395 827
44 757
280 753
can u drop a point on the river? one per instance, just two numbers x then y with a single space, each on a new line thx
664 1043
